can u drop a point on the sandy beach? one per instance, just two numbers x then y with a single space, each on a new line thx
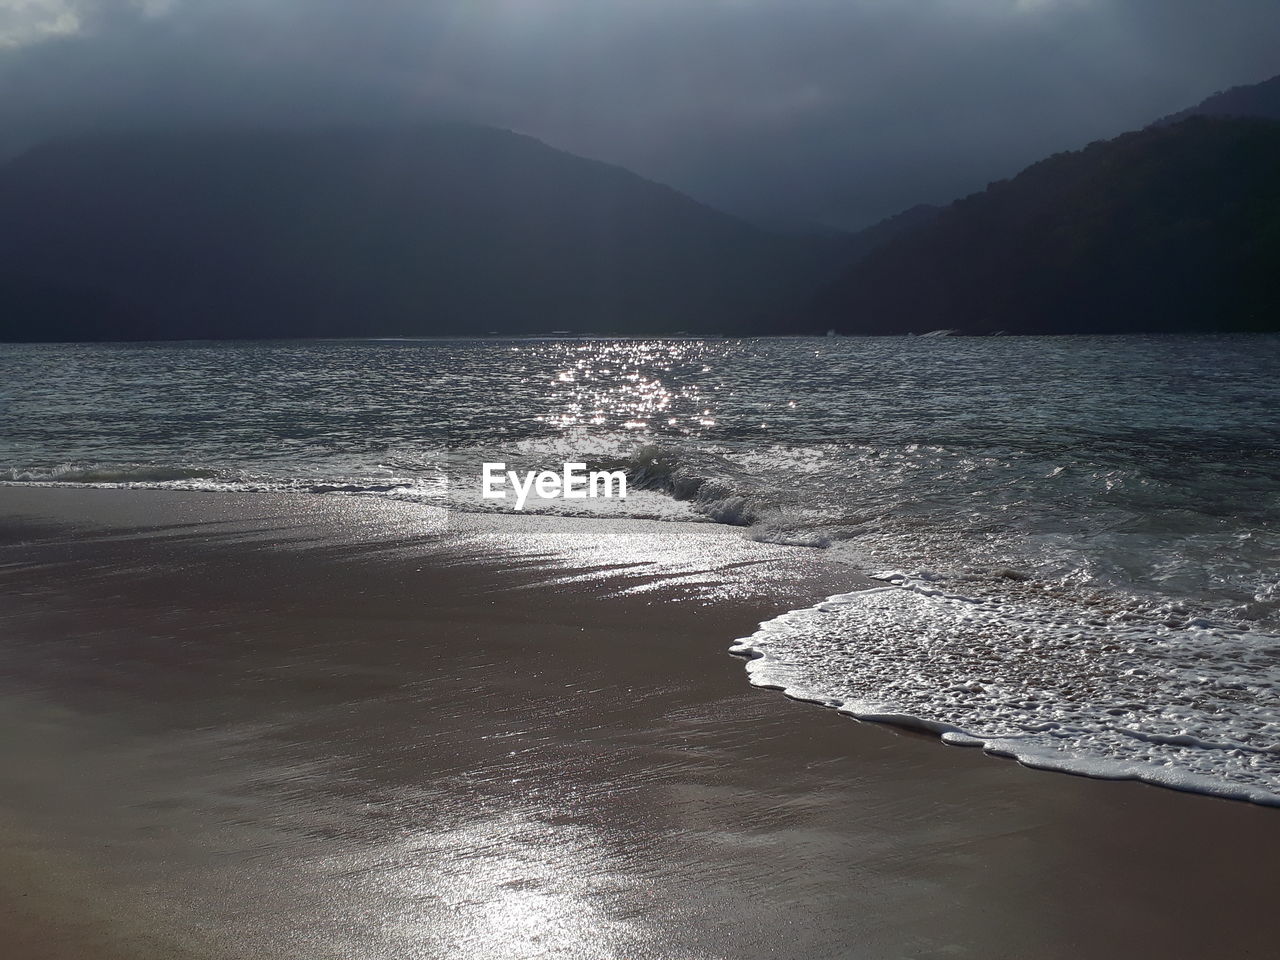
243 726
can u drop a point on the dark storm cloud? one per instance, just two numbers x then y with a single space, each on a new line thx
839 111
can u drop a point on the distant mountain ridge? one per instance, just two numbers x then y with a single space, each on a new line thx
878 234
450 229
1173 228
904 279
440 229
1248 100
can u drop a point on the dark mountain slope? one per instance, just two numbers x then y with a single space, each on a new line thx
874 237
1252 100
1173 228
435 230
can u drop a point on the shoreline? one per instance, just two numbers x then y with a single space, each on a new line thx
523 737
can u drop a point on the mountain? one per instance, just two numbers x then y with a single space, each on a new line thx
877 235
443 229
1172 228
1252 100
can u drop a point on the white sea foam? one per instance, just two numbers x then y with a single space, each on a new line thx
102 474
1036 675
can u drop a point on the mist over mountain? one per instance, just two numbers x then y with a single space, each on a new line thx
439 229
838 113
1169 229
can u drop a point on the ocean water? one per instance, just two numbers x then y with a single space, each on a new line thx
1078 538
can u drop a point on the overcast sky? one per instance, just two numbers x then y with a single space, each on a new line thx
841 111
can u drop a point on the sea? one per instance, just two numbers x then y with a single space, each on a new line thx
1075 540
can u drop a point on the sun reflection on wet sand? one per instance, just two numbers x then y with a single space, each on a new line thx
522 741
508 884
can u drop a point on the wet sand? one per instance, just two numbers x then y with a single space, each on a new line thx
261 727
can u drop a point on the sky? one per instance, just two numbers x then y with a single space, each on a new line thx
805 111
